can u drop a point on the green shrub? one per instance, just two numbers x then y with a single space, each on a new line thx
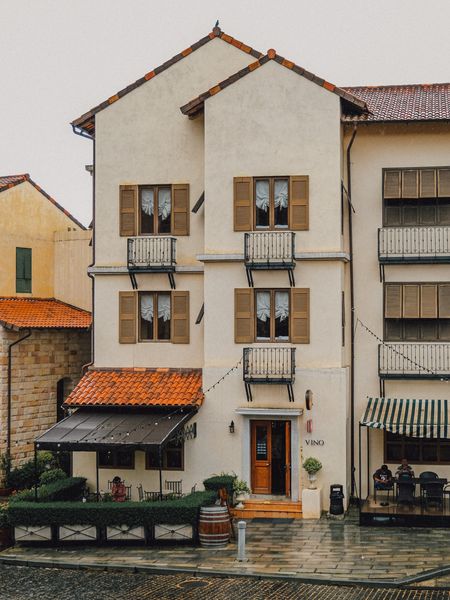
4 516
312 465
51 476
217 482
62 490
175 512
24 477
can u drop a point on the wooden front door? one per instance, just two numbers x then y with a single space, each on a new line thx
287 431
261 449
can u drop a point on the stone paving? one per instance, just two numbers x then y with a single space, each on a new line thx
320 550
25 583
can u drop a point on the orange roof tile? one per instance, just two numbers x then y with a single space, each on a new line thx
42 313
138 387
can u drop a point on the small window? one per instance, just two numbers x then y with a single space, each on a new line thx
23 270
271 202
155 209
116 459
154 316
172 457
272 315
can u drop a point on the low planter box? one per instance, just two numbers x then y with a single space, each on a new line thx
125 533
77 533
167 532
32 533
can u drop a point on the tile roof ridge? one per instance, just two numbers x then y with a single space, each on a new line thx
146 369
394 85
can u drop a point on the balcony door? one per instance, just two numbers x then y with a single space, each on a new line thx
271 457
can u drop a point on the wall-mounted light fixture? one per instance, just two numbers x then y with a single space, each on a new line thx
231 427
309 399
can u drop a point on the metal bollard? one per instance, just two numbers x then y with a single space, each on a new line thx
241 540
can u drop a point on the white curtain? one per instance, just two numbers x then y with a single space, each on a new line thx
164 307
164 203
147 307
281 305
263 306
281 193
262 194
147 201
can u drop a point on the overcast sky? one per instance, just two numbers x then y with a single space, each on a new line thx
59 58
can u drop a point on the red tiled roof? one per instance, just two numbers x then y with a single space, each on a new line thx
195 106
42 313
86 122
421 102
138 387
9 181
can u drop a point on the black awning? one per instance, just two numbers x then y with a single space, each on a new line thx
93 430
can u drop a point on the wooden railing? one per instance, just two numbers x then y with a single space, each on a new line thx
152 253
414 360
414 244
269 365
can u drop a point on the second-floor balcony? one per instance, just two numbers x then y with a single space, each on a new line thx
152 254
415 360
397 245
269 250
269 365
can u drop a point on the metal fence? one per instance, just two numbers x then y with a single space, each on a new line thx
414 243
152 253
414 360
271 365
270 247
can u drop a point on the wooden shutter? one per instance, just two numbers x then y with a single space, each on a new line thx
180 209
427 183
127 209
180 317
299 324
244 316
393 301
444 301
243 203
411 295
127 317
444 183
428 301
410 183
299 203
392 184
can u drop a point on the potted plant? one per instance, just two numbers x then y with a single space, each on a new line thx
312 466
241 491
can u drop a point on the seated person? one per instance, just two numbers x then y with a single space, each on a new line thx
118 491
404 469
383 478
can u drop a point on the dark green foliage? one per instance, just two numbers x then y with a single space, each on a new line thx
70 488
24 477
52 476
4 516
217 482
175 512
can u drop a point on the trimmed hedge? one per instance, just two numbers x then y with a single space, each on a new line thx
70 488
24 477
101 514
216 482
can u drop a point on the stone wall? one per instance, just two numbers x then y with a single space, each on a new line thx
38 363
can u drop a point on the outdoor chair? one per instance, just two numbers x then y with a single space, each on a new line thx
432 493
127 489
446 494
383 487
174 487
406 489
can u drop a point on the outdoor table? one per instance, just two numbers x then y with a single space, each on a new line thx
420 481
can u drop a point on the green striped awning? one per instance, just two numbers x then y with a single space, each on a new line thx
415 418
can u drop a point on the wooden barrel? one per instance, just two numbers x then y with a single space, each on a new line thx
214 526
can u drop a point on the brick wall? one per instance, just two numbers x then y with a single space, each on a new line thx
38 363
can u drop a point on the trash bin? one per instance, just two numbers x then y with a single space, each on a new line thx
336 499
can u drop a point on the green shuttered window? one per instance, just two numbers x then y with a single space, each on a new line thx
23 270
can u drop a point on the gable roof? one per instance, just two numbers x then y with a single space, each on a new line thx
9 181
350 102
418 102
41 313
86 123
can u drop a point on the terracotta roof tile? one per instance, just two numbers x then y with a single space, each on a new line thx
138 387
12 180
42 313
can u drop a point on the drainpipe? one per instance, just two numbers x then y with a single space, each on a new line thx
9 405
352 314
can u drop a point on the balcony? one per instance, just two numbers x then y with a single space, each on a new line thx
269 250
397 245
152 255
414 361
271 366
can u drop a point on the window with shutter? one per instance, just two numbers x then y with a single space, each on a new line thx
411 296
392 184
127 317
299 203
180 215
444 301
428 183
23 270
243 203
300 317
393 301
444 183
127 210
428 301
244 319
410 183
180 317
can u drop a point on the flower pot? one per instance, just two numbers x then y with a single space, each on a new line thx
4 491
239 499
312 480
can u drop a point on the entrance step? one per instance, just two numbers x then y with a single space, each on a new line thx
268 509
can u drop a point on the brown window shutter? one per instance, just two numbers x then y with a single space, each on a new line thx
127 202
244 317
393 301
243 203
299 203
444 301
410 183
392 184
180 209
428 301
411 296
180 317
127 317
444 183
428 183
299 316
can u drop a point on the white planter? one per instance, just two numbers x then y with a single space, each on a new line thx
125 532
312 480
311 503
240 498
32 533
174 532
75 533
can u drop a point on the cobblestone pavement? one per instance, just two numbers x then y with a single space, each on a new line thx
330 550
27 583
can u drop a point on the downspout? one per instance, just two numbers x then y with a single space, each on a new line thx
352 313
9 404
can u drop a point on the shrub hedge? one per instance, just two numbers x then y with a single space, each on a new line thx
62 490
51 476
24 477
216 482
101 514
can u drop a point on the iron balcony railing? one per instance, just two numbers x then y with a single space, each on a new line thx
414 360
414 244
152 253
269 365
270 250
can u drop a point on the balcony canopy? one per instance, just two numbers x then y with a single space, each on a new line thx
414 418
